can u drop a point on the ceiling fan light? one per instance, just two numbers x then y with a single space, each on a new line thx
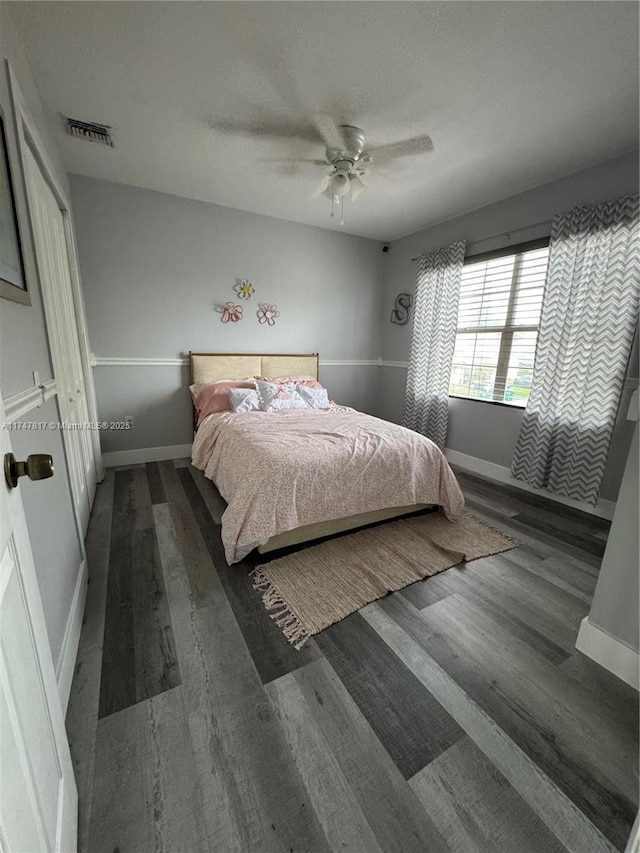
339 183
358 186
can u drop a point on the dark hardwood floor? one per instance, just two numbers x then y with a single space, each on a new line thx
454 715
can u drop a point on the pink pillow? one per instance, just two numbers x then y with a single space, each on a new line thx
212 397
307 381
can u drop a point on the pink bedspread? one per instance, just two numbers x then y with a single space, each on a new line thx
281 470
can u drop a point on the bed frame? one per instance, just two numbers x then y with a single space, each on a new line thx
214 367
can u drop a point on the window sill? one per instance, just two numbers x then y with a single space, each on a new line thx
489 402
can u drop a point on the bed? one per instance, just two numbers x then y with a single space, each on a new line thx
295 476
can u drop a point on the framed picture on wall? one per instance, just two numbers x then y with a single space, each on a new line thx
13 283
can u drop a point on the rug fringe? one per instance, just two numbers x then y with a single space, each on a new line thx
279 610
486 524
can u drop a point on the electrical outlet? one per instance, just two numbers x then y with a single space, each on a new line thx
128 419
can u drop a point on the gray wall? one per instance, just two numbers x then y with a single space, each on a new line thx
23 349
476 428
155 265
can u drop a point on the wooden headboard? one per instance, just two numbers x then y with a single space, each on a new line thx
214 366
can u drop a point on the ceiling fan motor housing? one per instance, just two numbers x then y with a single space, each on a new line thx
354 142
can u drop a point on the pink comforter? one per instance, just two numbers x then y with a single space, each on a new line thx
281 470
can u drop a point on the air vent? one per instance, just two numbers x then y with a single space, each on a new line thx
89 131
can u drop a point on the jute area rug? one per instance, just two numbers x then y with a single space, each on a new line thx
308 590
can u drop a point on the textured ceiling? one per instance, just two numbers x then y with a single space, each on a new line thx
513 94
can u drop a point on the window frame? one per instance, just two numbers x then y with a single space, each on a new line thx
508 330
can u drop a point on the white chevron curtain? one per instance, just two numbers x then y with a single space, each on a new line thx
589 317
433 338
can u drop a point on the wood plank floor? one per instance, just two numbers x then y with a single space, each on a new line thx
454 715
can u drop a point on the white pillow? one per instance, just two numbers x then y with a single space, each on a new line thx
244 400
315 398
276 397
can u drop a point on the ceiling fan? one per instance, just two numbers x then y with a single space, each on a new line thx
352 162
352 165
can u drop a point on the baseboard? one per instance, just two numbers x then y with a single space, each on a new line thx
71 639
609 652
145 454
474 465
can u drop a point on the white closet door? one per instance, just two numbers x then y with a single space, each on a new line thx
57 296
38 796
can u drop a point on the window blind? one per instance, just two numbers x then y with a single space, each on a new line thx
498 318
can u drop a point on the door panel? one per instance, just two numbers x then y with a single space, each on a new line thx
24 695
57 295
77 398
38 798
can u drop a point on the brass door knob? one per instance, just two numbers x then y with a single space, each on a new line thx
39 466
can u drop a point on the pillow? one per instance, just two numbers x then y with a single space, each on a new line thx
278 396
244 400
307 381
212 397
315 398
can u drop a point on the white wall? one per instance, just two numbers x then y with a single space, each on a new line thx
23 349
615 601
154 266
610 633
476 428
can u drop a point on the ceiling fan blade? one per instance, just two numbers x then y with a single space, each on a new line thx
404 148
323 188
285 168
378 176
329 130
293 160
358 186
283 128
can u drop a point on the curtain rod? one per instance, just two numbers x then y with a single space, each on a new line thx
504 234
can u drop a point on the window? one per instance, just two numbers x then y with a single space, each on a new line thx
498 317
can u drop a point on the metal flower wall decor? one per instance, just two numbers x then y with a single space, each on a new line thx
244 289
231 313
267 313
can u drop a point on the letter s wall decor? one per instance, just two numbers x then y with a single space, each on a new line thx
400 313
